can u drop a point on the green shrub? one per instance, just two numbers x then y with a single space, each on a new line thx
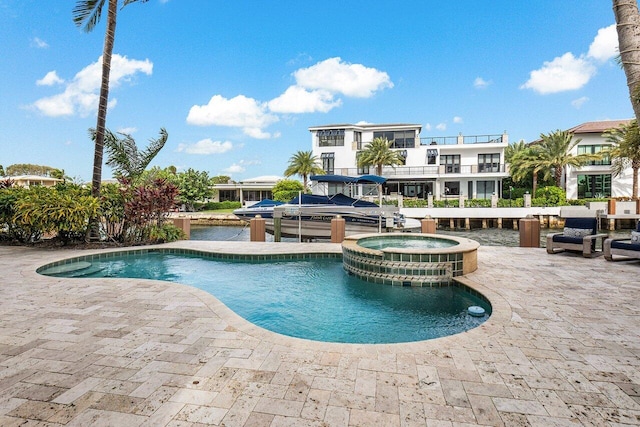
165 233
552 195
217 206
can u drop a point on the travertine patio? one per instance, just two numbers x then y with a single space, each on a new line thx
562 348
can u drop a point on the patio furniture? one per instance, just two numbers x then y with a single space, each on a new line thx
626 248
579 234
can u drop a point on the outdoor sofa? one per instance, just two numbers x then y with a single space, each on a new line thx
579 234
627 248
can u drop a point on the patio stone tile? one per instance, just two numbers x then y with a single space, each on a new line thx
562 348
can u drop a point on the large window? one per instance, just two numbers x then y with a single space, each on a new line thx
432 155
228 195
327 162
485 189
451 163
399 138
489 162
596 149
452 188
331 137
594 186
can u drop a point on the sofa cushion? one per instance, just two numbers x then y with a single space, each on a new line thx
576 232
561 238
635 237
588 223
625 244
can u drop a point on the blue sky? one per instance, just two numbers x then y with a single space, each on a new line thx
238 83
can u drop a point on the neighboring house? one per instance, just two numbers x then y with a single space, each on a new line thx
596 180
446 167
248 191
33 180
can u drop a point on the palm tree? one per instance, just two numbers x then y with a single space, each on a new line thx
379 153
124 157
554 154
523 162
303 163
628 21
626 151
86 14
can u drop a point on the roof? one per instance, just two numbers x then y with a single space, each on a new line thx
598 127
363 126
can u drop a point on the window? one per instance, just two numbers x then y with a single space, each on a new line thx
228 195
431 156
403 156
357 138
327 162
451 163
595 149
594 186
400 139
485 189
452 188
331 138
489 162
362 170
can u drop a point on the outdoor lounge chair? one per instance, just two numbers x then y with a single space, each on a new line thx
580 234
626 248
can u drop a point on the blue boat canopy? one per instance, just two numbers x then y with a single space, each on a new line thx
364 179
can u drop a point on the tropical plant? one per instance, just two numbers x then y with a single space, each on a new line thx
553 154
625 152
378 153
524 165
125 158
303 163
286 189
146 206
513 149
29 169
86 14
628 21
194 186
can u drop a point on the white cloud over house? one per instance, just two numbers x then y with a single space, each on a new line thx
570 72
81 94
480 83
317 88
206 146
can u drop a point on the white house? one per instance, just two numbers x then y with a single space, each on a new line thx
446 167
596 179
28 181
248 191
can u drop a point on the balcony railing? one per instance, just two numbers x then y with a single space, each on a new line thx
430 171
460 139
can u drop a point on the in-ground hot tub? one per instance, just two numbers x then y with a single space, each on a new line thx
409 259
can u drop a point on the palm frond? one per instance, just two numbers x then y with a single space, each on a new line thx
87 13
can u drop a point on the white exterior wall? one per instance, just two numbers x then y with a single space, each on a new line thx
416 167
621 185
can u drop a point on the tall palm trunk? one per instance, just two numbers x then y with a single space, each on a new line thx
628 27
109 40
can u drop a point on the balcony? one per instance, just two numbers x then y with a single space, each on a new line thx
460 139
427 171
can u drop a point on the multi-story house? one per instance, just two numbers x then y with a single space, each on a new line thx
445 167
596 179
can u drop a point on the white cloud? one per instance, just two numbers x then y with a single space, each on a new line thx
242 112
427 126
457 119
605 44
564 73
577 103
206 146
298 100
128 130
335 76
240 167
570 72
39 43
50 79
441 126
81 94
363 123
480 83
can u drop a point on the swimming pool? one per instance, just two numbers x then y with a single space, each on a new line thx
310 296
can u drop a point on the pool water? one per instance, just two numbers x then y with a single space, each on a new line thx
309 298
405 242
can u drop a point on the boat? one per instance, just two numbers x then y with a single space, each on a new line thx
309 216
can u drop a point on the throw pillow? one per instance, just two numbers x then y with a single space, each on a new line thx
635 237
576 232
